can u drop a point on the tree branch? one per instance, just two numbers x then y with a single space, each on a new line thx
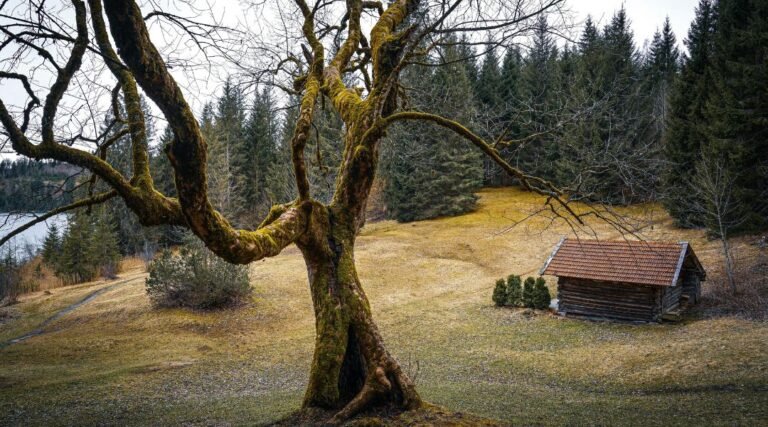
95 200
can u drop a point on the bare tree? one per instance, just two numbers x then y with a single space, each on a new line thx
351 368
713 185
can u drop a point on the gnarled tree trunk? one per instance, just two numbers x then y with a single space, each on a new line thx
351 368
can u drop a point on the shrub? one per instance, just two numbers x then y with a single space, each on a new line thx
196 278
514 291
528 295
500 293
541 297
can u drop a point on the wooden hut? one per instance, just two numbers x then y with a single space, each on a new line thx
624 280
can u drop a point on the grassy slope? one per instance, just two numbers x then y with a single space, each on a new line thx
116 361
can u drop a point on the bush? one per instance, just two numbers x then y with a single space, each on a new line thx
514 291
541 297
528 295
500 293
196 278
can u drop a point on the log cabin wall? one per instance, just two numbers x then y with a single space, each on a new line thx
691 285
671 297
619 301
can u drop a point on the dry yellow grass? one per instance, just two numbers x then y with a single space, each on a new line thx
115 360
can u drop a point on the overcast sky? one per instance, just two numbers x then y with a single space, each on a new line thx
645 15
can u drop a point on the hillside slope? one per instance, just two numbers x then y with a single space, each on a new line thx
115 360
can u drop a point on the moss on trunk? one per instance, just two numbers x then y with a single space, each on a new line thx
351 368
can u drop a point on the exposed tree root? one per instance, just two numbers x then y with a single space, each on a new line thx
388 415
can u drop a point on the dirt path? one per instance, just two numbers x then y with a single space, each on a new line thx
59 314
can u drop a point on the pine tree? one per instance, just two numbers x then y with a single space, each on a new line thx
684 136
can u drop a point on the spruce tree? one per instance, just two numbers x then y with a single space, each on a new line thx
507 113
51 246
103 252
254 161
73 265
162 172
660 72
228 127
736 112
685 134
489 81
432 172
606 147
537 156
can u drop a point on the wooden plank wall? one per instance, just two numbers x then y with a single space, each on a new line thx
609 300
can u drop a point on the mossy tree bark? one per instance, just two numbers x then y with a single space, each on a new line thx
351 367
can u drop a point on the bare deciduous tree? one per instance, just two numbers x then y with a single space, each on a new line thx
713 185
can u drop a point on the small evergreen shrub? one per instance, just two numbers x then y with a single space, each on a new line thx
196 278
500 293
514 291
528 295
541 297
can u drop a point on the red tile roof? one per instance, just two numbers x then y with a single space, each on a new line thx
643 263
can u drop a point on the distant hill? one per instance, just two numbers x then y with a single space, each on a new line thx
33 186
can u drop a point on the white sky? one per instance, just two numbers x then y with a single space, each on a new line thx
645 15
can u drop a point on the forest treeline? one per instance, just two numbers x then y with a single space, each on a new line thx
30 186
602 118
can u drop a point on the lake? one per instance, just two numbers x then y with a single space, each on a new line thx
32 238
